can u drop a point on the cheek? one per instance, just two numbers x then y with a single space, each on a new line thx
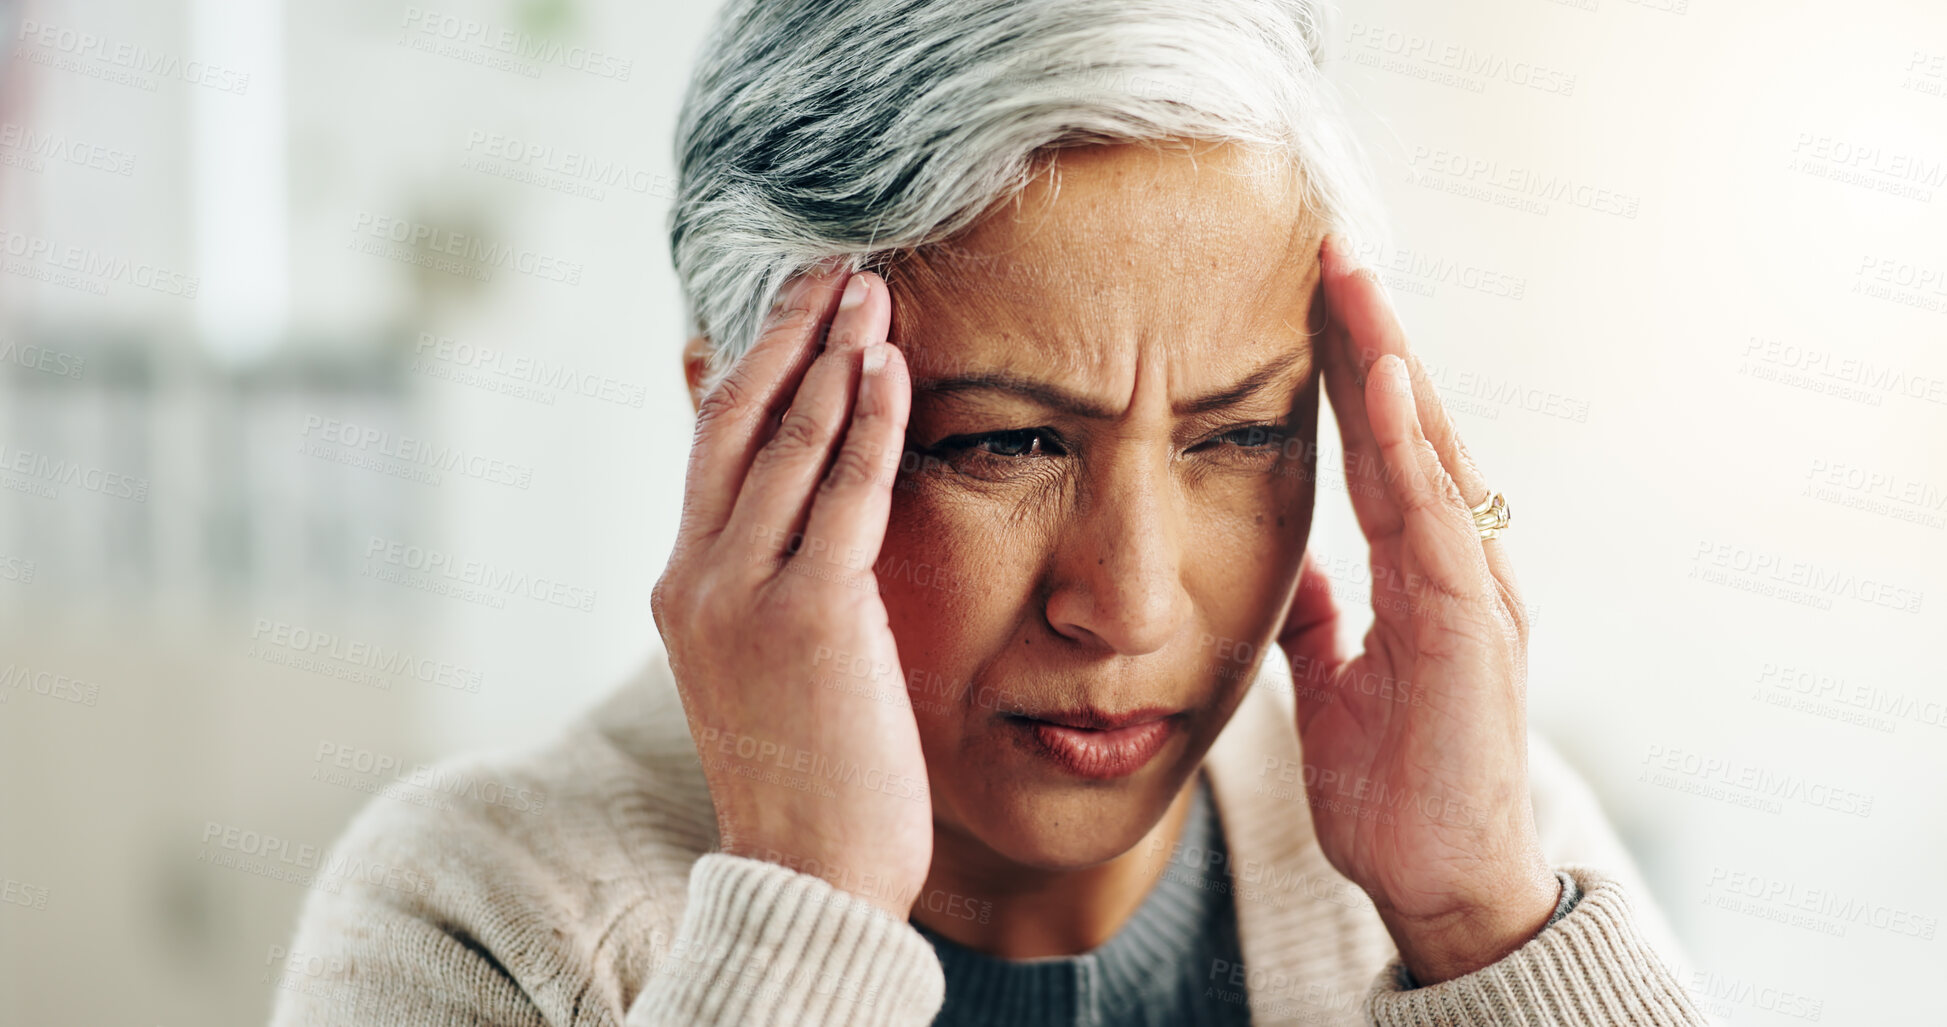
1244 544
957 577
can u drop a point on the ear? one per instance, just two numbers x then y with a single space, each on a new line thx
696 357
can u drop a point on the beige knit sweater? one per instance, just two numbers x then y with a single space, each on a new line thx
605 905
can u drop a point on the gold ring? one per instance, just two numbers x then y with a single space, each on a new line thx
1491 516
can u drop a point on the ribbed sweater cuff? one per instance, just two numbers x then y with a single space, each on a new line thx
765 945
1590 968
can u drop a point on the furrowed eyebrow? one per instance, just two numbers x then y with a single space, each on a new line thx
1251 384
1057 398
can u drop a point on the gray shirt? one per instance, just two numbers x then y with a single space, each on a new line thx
1175 962
1170 964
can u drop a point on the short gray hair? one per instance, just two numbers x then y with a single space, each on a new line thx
859 128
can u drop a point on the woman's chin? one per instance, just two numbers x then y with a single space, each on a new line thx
1073 831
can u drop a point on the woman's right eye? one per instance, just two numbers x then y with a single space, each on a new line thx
1017 443
999 454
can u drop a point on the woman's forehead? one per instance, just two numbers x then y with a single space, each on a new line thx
1120 255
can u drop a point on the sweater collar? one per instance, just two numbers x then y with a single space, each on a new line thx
1150 962
1290 901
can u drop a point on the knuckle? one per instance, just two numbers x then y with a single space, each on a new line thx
663 598
795 317
1449 492
729 395
793 324
713 609
853 467
796 433
847 331
783 604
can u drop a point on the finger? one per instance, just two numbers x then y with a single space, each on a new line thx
1445 438
1438 530
735 417
849 512
1348 345
1372 329
776 493
1310 639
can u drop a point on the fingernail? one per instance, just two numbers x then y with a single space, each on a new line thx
875 358
854 293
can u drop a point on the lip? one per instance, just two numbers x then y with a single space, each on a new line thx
1095 745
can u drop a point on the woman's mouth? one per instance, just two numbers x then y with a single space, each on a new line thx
1095 745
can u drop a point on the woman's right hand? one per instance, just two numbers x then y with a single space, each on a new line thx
770 610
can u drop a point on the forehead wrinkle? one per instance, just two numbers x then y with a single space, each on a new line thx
932 302
991 327
1086 278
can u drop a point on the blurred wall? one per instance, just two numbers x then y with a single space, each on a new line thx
296 296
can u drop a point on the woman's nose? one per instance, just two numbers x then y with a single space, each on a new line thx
1117 574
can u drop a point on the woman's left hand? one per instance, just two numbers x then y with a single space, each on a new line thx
1416 749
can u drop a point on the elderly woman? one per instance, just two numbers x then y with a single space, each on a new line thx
1013 318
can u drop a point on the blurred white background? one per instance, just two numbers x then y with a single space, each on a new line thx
1680 267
